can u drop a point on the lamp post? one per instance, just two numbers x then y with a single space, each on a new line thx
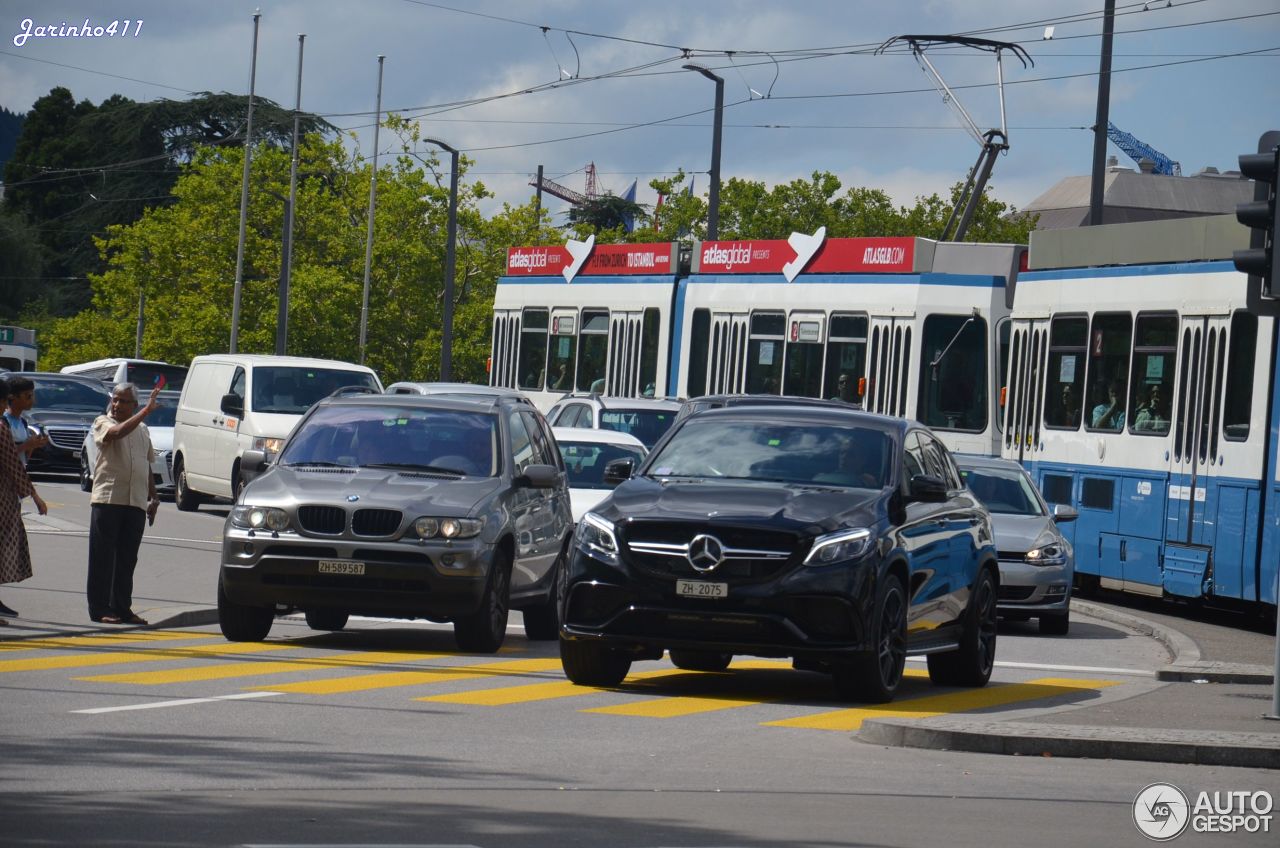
446 342
713 210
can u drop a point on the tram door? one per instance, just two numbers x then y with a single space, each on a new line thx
726 361
889 365
1024 395
1197 440
625 335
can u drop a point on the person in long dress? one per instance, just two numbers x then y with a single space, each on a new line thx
15 554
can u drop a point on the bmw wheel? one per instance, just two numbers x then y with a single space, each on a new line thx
325 619
483 631
241 622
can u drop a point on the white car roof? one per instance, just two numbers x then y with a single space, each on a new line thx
596 437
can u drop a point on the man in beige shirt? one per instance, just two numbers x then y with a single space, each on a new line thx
124 496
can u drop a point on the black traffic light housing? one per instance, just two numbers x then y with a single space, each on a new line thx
1262 216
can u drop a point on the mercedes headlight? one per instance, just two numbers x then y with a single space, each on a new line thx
597 536
259 518
447 528
838 547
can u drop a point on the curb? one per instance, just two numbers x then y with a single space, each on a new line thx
1188 747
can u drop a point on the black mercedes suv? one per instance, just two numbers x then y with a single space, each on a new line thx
842 539
402 506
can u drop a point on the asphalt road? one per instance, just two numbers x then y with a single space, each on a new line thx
385 735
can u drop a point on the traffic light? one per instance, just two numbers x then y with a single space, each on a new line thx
1262 259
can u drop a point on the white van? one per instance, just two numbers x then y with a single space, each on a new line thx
146 374
237 402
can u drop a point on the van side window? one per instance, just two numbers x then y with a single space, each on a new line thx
237 384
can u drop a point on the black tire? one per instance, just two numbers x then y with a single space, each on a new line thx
1058 624
542 621
971 665
236 483
875 677
242 623
592 663
86 476
700 660
183 498
483 631
324 619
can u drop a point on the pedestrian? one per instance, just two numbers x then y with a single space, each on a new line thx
15 554
22 396
124 496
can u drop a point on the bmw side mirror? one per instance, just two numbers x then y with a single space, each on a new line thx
539 477
232 405
1063 513
928 488
618 471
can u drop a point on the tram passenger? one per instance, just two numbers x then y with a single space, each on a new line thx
1109 415
1153 415
1068 407
844 388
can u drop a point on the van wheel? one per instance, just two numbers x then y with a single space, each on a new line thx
185 499
243 623
236 483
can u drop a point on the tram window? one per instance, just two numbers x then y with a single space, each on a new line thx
593 348
1064 387
1097 493
868 400
560 355
1240 363
1108 370
1155 341
804 359
1217 394
1057 489
649 353
764 353
846 356
699 343
533 349
906 369
953 373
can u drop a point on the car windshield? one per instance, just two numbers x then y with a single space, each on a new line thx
585 461
164 413
647 425
357 436
293 389
1005 491
70 396
796 452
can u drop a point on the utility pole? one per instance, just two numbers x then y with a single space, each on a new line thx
537 200
1103 116
373 199
244 190
286 259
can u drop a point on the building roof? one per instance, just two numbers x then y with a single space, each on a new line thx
1129 196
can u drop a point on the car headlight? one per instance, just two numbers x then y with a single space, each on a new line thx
838 547
259 518
269 446
596 535
448 528
1054 553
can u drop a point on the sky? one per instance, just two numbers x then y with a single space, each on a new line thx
564 83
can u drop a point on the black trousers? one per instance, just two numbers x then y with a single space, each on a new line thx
115 534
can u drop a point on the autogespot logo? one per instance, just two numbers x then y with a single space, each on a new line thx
1161 811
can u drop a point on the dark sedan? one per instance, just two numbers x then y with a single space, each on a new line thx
65 408
839 538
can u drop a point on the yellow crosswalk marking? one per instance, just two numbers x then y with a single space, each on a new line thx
416 677
961 701
222 671
138 656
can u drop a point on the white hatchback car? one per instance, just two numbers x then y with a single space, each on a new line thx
585 454
648 419
160 426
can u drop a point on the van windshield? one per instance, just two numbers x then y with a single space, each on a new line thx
293 389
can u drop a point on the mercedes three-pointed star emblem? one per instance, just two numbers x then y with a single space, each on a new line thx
705 552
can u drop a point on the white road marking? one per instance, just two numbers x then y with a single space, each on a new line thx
1086 669
179 703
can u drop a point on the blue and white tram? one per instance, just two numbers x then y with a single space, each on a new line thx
598 325
1142 376
905 326
17 349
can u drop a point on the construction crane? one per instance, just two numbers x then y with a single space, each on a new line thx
1138 150
567 194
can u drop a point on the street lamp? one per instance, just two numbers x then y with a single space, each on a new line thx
713 211
446 343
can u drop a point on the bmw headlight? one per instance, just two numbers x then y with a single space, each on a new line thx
259 518
838 547
1054 553
447 528
596 535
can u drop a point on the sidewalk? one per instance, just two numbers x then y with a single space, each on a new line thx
1208 711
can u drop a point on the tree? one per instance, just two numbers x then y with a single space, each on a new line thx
604 214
